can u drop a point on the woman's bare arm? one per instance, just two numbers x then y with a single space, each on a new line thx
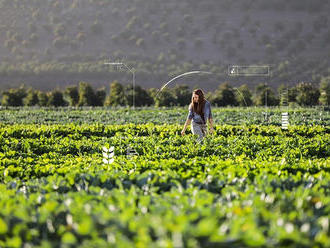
188 121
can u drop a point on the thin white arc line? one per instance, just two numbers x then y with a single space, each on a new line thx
182 75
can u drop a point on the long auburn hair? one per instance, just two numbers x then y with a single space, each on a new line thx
198 107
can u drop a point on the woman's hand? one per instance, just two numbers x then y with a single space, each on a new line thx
183 132
211 130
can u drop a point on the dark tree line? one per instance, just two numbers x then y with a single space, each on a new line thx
83 94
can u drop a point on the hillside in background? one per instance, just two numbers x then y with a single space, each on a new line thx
48 44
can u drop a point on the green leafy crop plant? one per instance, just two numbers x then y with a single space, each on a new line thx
247 185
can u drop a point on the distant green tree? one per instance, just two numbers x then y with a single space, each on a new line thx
265 96
86 95
141 96
100 96
293 92
42 98
182 94
224 95
152 92
116 96
165 98
144 98
325 91
31 98
13 97
243 96
55 98
287 94
71 94
308 95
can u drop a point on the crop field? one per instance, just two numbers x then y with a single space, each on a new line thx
250 184
175 115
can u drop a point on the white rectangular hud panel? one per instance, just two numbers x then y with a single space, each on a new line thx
249 70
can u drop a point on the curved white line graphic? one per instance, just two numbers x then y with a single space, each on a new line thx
182 75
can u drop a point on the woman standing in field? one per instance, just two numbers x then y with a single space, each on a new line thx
199 114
